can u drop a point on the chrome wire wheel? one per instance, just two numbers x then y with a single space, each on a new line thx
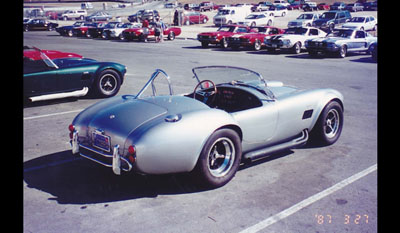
332 123
108 84
221 157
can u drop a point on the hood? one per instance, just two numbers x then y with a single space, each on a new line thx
329 39
215 33
320 21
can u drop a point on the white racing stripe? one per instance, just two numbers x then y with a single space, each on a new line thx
52 114
314 198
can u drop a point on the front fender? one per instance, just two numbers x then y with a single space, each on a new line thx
327 96
171 147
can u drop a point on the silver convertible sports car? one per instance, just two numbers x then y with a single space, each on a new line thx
232 114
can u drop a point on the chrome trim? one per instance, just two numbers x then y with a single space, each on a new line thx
116 158
151 81
77 93
74 142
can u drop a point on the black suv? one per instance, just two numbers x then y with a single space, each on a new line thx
330 19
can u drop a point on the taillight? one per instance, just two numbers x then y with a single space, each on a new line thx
132 152
71 128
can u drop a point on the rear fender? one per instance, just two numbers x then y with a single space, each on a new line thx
170 147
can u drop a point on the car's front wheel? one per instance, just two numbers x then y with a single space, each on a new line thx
107 84
329 126
220 158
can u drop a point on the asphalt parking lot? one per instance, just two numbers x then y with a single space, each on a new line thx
323 189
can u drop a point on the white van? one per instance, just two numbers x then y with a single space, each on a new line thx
230 15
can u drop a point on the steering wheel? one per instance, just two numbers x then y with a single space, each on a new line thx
206 93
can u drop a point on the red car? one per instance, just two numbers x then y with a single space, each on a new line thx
323 6
137 33
192 17
33 53
221 35
253 39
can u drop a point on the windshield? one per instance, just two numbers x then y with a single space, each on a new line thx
357 19
223 12
305 16
341 33
226 29
252 17
228 74
328 15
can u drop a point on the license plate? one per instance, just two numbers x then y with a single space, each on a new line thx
101 141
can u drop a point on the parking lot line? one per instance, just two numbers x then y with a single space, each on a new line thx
314 198
52 114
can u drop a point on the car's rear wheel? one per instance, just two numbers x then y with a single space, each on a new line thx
220 158
257 45
329 126
108 83
171 36
342 51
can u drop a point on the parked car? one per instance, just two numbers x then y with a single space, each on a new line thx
140 15
338 6
39 25
192 17
35 54
47 78
73 14
331 19
340 42
83 29
293 39
294 6
354 7
281 2
233 114
257 19
136 33
304 20
115 33
371 6
68 30
278 11
254 39
367 22
106 32
220 36
204 6
190 6
96 30
262 6
373 50
99 16
323 6
231 15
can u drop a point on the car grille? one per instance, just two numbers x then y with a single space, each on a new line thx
317 44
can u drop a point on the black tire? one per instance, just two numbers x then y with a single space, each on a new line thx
329 126
219 160
171 36
107 84
257 45
342 51
204 44
296 48
224 43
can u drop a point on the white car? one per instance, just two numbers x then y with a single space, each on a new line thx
281 2
72 14
257 19
362 23
304 20
293 39
278 10
114 33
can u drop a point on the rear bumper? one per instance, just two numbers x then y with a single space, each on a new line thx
114 160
